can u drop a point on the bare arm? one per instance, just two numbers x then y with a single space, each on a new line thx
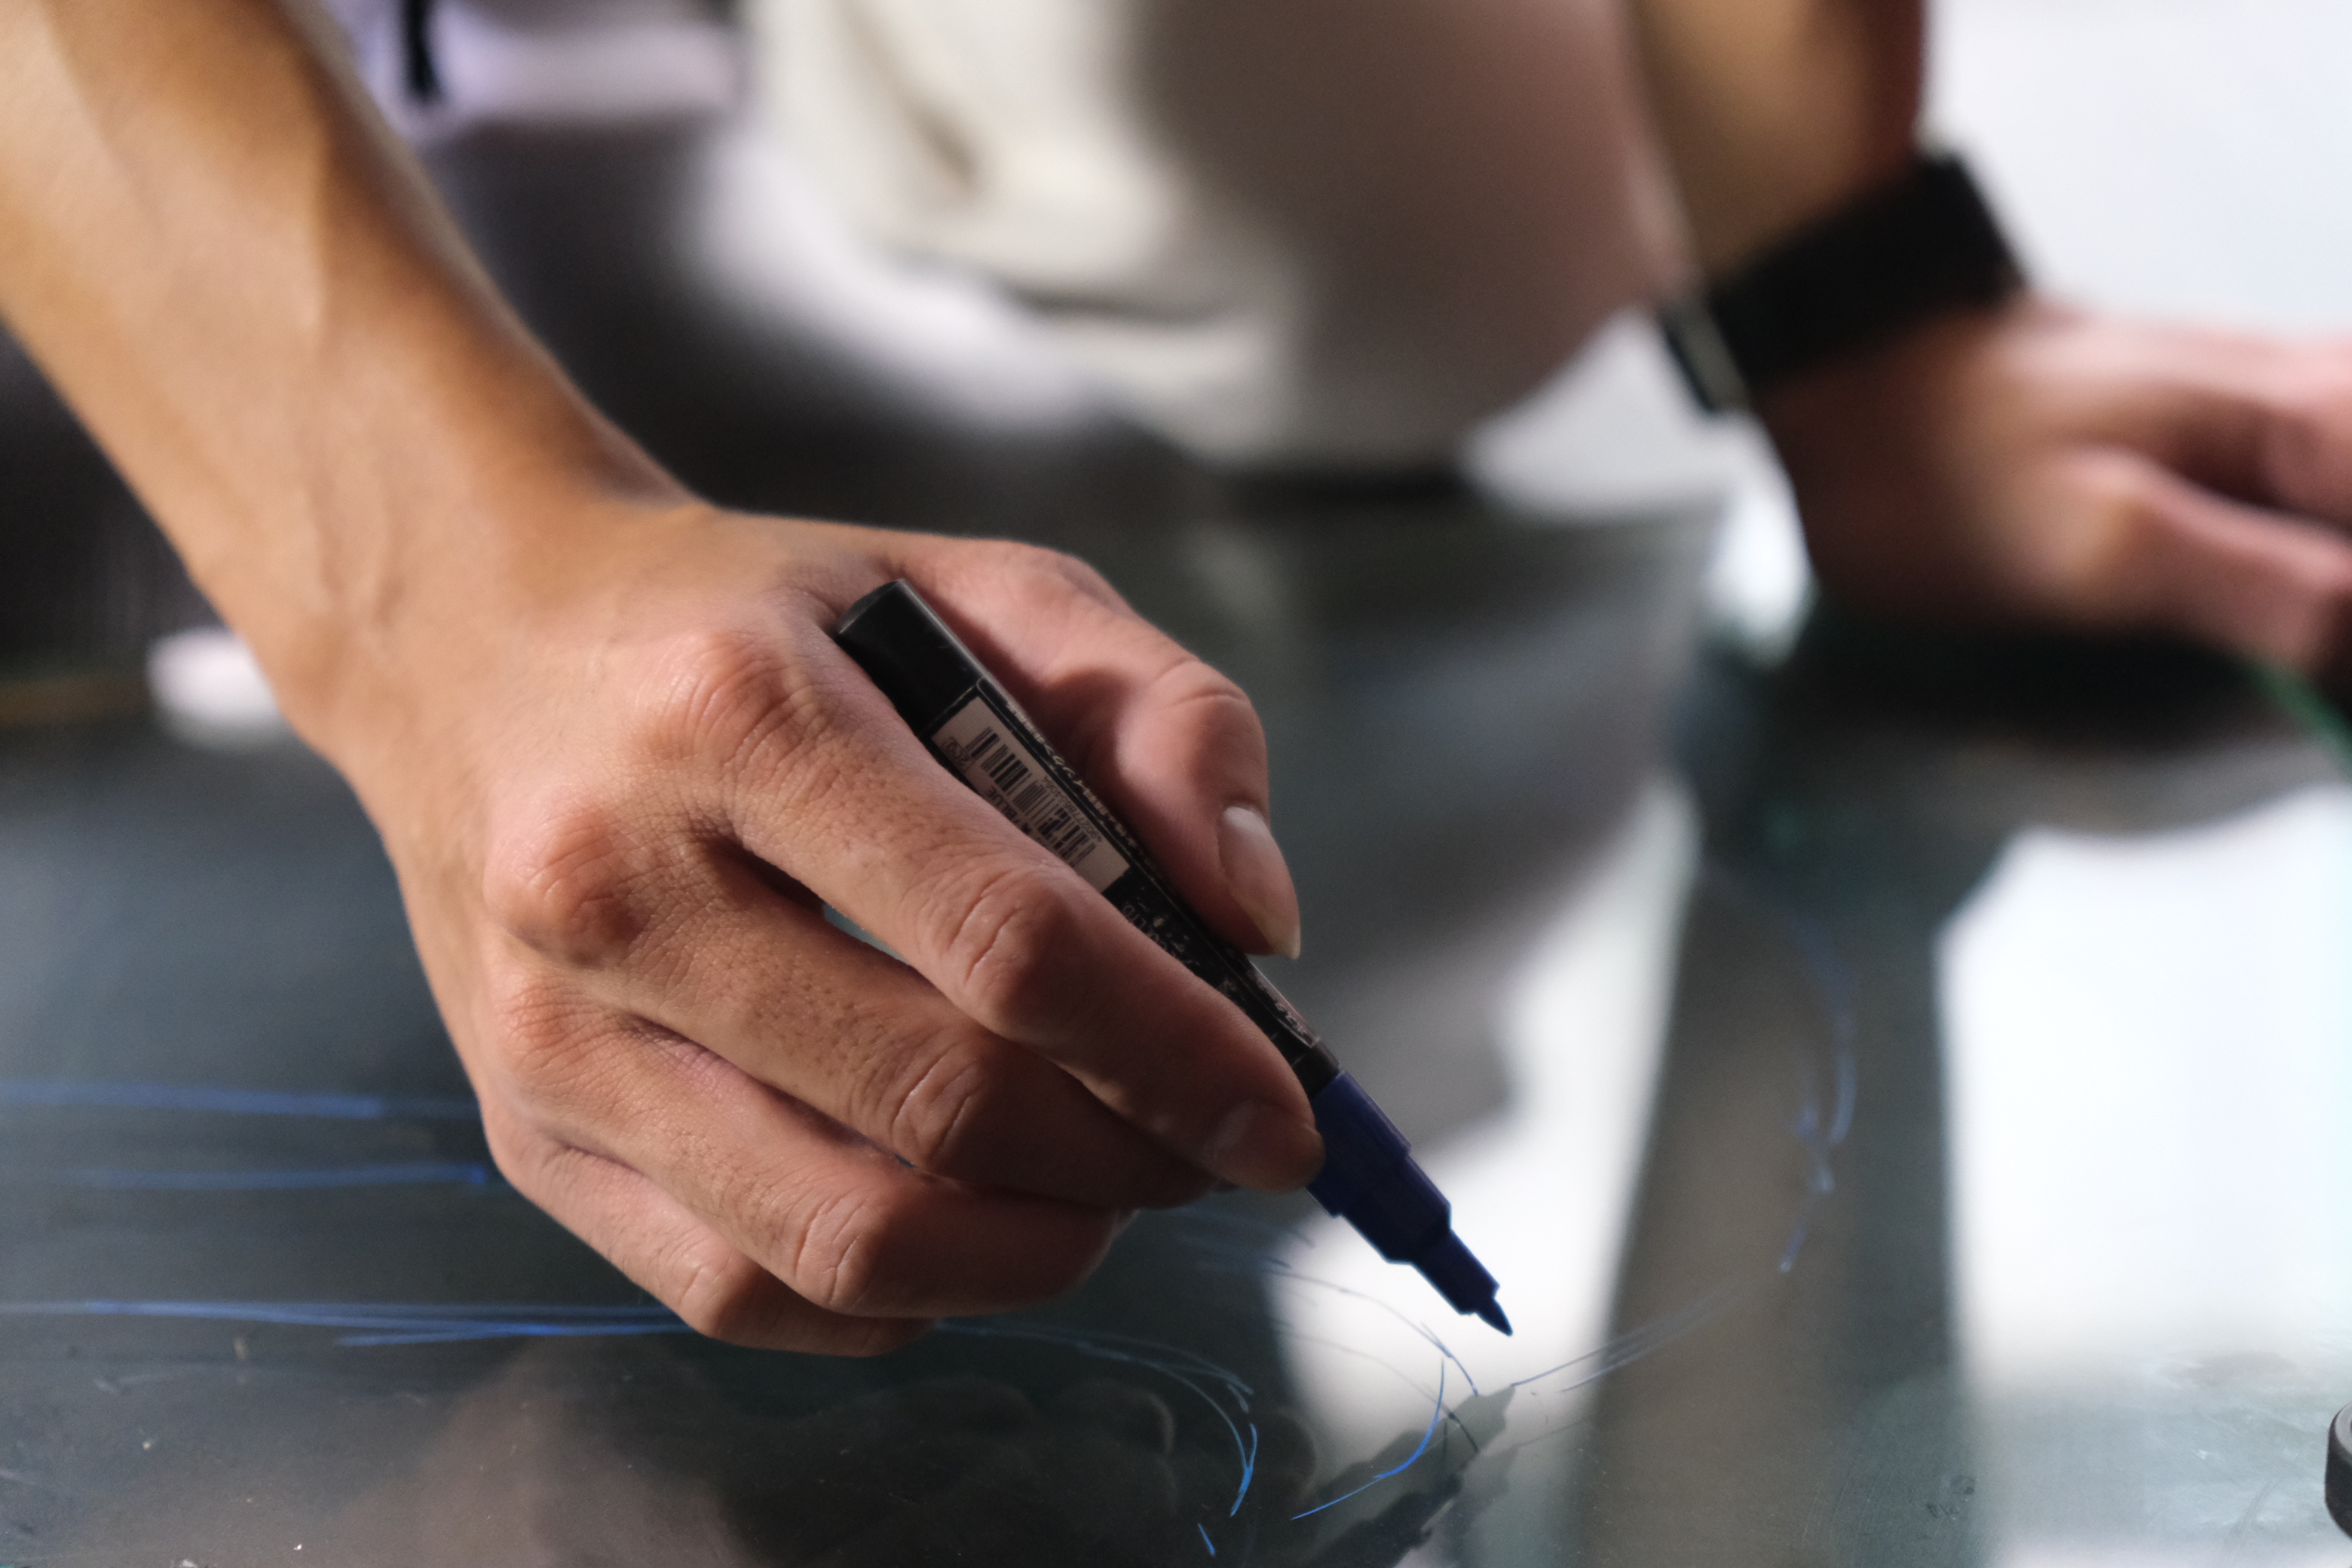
2030 463
233 272
616 761
1774 111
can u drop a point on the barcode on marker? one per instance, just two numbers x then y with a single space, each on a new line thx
999 764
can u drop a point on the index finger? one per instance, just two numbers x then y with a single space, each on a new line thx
845 799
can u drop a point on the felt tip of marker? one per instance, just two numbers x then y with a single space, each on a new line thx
1493 1314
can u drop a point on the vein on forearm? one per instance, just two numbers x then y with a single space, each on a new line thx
243 286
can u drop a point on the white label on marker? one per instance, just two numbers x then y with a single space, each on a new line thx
996 760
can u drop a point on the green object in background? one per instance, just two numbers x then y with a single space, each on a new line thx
2308 707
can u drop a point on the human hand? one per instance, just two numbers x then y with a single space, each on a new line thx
618 763
620 779
2039 465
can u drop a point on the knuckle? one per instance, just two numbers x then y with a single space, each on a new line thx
1054 569
1210 706
1196 718
708 690
729 697
2088 568
566 886
1077 576
738 703
833 1262
721 1294
2303 449
1003 950
544 1039
935 1114
526 1157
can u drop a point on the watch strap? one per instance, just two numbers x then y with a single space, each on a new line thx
1921 246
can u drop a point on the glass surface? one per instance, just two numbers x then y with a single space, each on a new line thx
1902 1091
1899 1093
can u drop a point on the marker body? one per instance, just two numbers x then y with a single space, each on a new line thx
979 734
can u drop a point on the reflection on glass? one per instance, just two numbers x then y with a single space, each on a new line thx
1541 1192
2149 1049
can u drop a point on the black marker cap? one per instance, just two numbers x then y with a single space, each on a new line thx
2339 1470
908 652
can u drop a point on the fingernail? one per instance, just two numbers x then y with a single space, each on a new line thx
1265 1147
1257 877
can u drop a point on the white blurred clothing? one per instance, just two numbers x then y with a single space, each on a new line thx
1294 233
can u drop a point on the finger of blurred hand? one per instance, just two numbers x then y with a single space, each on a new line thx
697 944
2303 439
842 1224
2156 551
2259 419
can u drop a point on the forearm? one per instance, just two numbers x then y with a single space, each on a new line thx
615 755
1776 111
244 288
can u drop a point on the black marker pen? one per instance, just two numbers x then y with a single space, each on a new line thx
971 726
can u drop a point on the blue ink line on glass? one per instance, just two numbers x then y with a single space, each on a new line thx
1249 1471
1835 986
1113 1346
1283 1266
423 1173
1204 1538
1116 1348
1396 1372
101 1096
1445 1353
1822 1136
1820 1130
1635 1343
1184 1368
386 1323
1435 1416
1797 1238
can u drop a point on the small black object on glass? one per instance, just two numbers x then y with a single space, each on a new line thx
2339 1470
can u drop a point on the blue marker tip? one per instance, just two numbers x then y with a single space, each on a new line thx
1370 1180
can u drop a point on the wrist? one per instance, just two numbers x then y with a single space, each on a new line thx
1909 460
1907 252
416 582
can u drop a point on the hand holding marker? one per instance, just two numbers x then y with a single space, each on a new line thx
977 731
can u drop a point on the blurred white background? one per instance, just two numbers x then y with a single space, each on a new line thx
2178 156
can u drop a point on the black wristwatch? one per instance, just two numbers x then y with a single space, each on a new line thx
1922 246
